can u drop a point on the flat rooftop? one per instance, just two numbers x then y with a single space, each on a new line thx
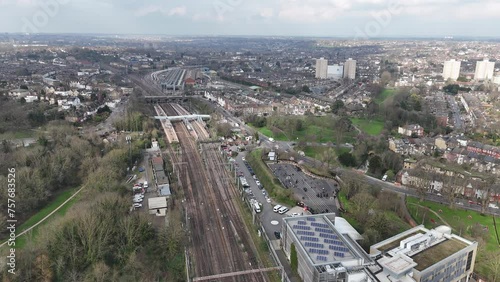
320 239
436 253
394 244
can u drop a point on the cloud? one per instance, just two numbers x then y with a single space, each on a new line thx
177 11
151 9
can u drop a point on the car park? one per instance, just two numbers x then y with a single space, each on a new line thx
277 207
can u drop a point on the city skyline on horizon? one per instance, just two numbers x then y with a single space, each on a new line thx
362 19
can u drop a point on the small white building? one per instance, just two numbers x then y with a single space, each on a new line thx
157 206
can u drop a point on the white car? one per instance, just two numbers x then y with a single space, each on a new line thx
257 182
137 205
283 210
138 196
277 208
295 214
243 158
268 200
137 200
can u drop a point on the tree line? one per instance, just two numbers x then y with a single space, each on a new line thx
99 238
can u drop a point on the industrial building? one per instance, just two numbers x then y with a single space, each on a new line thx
327 250
350 69
451 69
484 70
321 68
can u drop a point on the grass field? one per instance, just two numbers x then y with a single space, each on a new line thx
384 95
462 222
370 127
317 152
17 135
21 241
320 134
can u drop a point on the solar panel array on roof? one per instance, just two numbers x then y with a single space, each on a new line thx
311 219
320 252
340 255
307 233
301 222
317 224
301 227
329 236
307 238
323 230
314 245
329 241
339 249
321 258
338 243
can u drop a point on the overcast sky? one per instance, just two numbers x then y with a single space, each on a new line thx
366 18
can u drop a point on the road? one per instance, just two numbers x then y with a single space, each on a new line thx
266 215
457 120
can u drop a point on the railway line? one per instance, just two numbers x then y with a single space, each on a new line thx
220 242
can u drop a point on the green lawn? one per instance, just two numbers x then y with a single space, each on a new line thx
17 135
461 221
370 127
310 133
384 95
318 152
21 241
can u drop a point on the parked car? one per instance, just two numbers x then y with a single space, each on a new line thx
257 182
135 201
137 205
243 158
276 208
283 210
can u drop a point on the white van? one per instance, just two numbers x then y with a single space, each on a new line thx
276 208
384 178
256 207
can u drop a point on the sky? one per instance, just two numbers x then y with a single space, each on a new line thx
313 18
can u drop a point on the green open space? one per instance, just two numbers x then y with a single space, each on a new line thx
320 133
317 151
61 198
384 95
17 134
368 126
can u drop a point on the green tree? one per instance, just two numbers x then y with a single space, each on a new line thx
337 106
294 262
347 159
376 165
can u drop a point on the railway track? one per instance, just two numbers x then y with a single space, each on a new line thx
220 242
